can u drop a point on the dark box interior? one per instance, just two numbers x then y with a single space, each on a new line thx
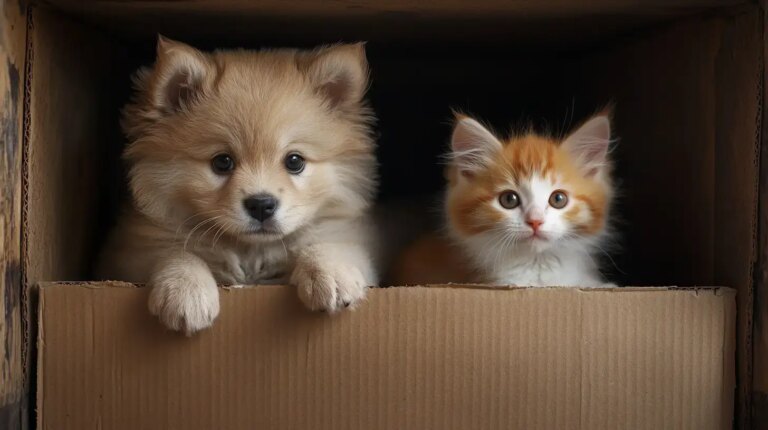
685 78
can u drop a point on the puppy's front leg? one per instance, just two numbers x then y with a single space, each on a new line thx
184 294
333 275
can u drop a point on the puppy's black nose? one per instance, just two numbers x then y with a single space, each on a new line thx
260 206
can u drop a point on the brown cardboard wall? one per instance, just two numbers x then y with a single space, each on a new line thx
14 388
760 339
408 358
438 8
688 117
688 110
72 129
663 87
739 71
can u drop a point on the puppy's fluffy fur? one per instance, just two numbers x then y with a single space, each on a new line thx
188 227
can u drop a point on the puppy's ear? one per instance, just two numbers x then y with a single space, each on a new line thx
181 76
339 73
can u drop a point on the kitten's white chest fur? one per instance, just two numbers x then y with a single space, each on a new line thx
568 269
527 266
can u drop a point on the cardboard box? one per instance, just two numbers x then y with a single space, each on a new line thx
446 357
687 77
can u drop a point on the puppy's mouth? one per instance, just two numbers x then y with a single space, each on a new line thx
263 231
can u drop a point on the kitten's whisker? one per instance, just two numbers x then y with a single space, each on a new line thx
613 262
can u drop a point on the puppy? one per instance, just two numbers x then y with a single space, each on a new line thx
246 167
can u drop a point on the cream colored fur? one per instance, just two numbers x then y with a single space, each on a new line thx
187 228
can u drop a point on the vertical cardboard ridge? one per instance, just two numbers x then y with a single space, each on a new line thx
28 318
410 358
729 362
738 69
40 388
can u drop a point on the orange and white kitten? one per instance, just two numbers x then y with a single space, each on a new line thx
528 210
531 210
247 167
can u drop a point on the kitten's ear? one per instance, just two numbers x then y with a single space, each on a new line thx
181 75
339 73
473 147
589 143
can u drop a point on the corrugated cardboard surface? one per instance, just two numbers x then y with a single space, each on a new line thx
68 145
14 386
408 358
760 336
688 105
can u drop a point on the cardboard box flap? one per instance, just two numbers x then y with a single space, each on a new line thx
408 358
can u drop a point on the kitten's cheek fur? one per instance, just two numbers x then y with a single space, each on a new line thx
332 277
184 294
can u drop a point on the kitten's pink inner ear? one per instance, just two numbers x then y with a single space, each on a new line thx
473 146
589 144
469 135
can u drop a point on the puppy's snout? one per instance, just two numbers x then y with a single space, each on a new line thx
261 206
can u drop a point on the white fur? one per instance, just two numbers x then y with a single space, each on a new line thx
184 294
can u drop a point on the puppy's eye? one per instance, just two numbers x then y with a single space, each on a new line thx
509 200
222 164
558 199
294 163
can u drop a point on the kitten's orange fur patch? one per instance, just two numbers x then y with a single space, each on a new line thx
527 210
471 211
430 260
435 260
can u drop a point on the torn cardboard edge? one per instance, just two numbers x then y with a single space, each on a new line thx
713 289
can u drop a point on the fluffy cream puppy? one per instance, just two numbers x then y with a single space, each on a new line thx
246 167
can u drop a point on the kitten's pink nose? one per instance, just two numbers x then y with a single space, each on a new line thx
534 223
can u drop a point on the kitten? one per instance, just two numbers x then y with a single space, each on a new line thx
529 210
247 167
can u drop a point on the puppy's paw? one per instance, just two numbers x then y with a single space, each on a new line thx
329 287
184 303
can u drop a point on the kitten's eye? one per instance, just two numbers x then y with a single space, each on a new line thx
558 199
509 200
295 163
222 164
